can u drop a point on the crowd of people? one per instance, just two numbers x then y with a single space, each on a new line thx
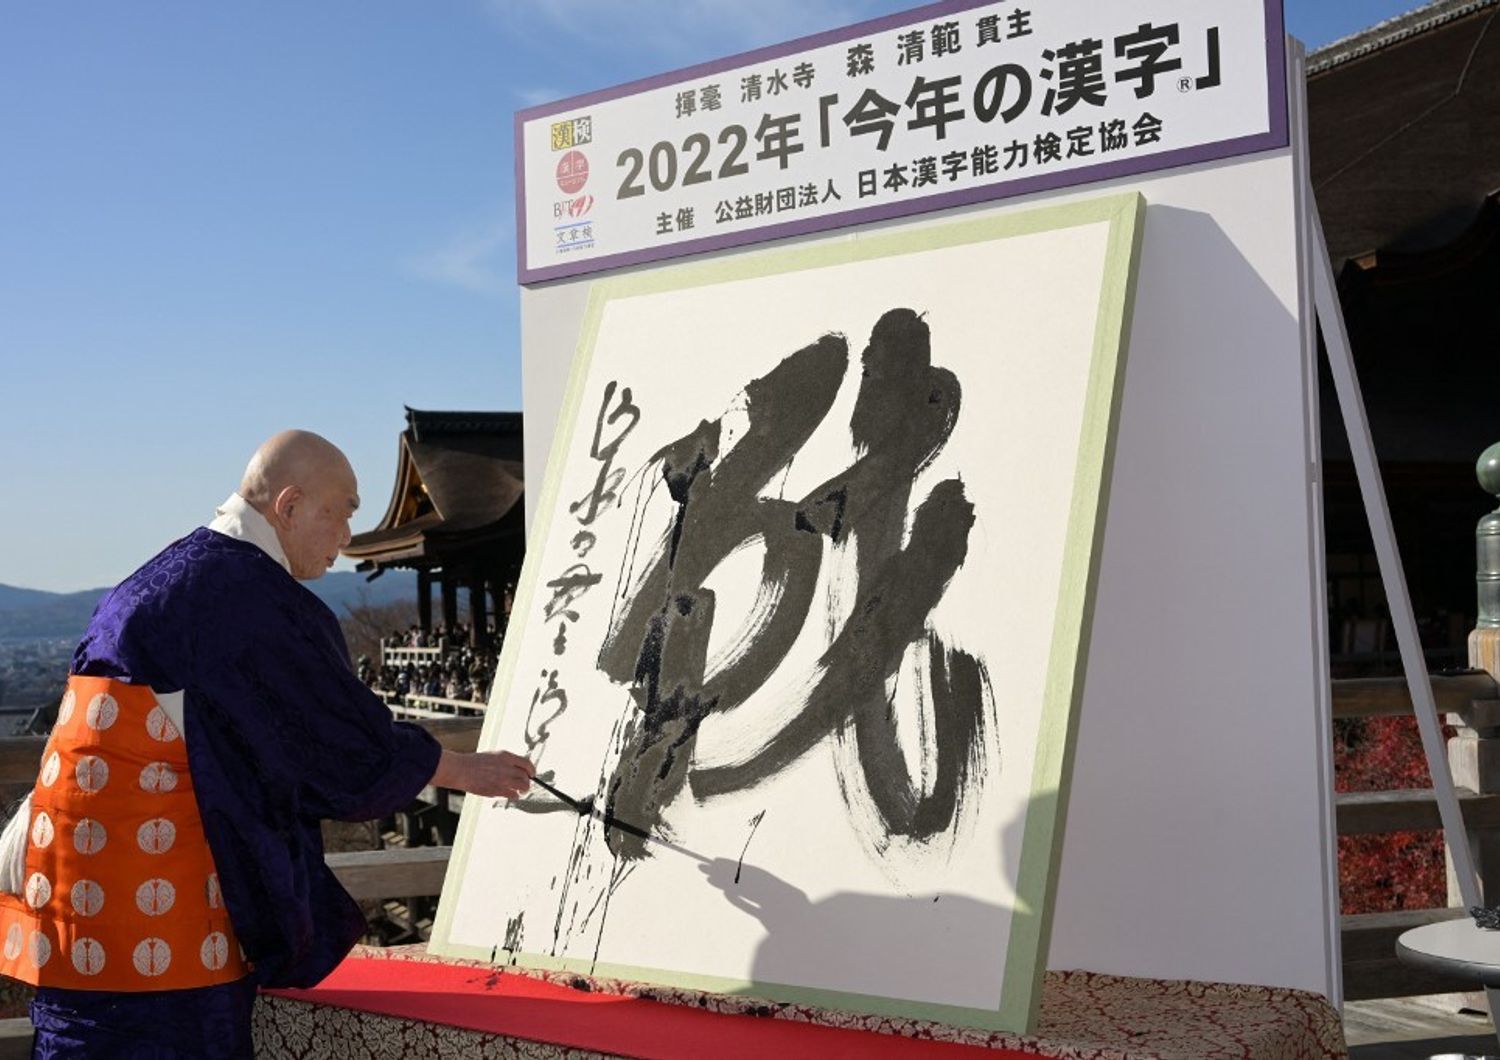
440 637
460 671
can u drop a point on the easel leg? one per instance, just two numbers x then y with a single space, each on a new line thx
1351 404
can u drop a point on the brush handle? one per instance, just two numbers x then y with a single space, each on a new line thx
575 803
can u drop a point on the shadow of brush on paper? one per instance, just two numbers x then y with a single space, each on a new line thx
837 938
952 949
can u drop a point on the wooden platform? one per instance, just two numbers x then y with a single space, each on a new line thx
1415 1028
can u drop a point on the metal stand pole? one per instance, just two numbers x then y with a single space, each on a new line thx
1351 404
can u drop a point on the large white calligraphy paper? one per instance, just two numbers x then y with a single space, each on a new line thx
802 622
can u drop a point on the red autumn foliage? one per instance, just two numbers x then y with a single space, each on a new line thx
1402 870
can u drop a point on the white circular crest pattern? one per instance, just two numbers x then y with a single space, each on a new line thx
65 708
88 836
102 712
152 956
87 897
40 948
156 836
214 953
155 897
92 773
215 896
88 956
14 940
158 777
160 727
50 769
38 890
42 830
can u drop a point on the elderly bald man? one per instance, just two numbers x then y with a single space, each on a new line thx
173 859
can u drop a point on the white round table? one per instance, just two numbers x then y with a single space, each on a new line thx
1453 947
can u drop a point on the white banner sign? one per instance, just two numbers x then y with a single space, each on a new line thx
945 105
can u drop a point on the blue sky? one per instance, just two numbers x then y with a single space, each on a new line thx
221 219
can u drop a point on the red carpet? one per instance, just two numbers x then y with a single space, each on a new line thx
518 1006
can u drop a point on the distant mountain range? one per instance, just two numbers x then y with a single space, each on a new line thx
33 613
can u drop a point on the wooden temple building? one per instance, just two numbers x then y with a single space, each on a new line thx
1405 159
456 516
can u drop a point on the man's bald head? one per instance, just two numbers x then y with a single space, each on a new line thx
290 458
306 489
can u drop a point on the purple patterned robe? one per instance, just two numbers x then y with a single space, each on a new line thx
280 734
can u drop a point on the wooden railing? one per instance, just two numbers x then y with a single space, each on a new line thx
390 656
1472 701
420 708
20 756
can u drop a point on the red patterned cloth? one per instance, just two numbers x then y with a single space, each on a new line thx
1084 1016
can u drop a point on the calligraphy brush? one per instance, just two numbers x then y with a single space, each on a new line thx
586 808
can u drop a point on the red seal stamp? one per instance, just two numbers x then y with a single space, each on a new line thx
572 172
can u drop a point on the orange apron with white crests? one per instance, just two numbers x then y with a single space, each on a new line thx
120 889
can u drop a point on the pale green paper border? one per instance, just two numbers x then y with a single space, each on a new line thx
1042 837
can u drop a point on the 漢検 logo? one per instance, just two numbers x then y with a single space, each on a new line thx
572 133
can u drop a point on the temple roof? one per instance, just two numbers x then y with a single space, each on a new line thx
459 483
1422 325
1404 142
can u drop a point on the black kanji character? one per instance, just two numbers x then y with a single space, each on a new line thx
911 47
933 102
984 160
567 588
945 38
607 482
1113 135
871 113
908 551
1080 141
1080 76
1147 129
1147 48
779 138
860 60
